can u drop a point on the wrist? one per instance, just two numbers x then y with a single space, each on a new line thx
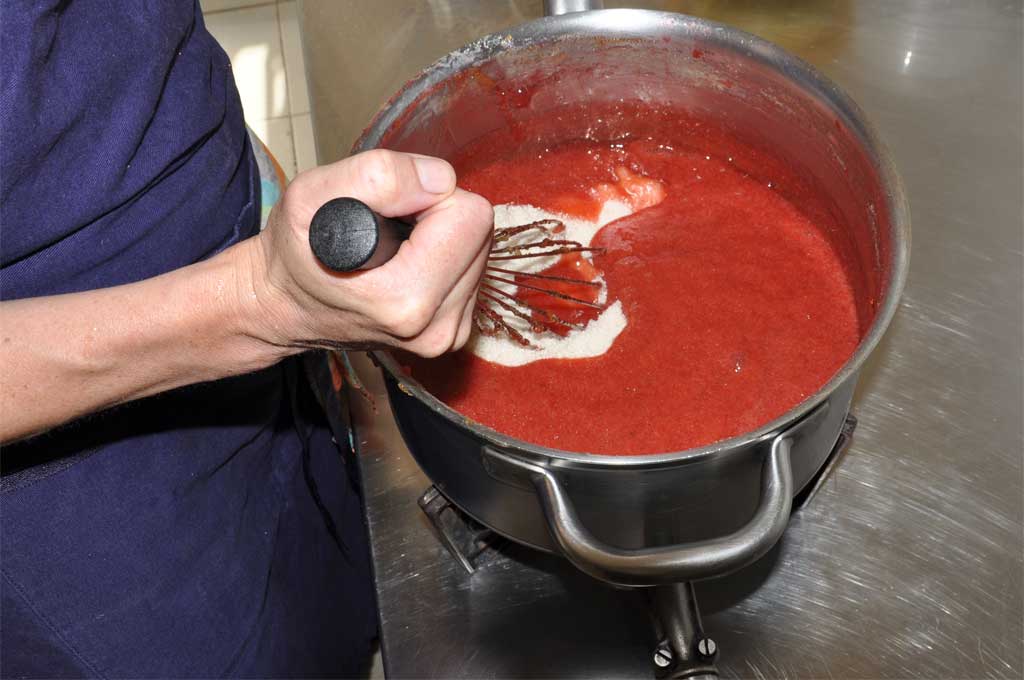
260 313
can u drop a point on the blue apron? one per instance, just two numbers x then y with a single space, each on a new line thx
212 530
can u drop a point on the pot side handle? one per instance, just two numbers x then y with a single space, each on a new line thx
675 563
552 8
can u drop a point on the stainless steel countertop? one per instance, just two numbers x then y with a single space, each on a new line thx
910 561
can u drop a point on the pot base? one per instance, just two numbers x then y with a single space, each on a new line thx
682 650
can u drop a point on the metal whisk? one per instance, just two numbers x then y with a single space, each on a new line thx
541 241
346 235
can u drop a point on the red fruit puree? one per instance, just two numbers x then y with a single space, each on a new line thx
738 307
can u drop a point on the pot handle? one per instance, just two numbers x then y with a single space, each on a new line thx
675 563
552 8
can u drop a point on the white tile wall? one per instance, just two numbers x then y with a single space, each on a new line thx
305 148
294 63
277 134
262 39
252 40
210 6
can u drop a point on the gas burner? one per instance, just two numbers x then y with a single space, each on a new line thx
683 650
466 540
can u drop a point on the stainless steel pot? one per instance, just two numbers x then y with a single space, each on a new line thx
676 516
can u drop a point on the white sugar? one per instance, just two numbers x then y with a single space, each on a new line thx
594 339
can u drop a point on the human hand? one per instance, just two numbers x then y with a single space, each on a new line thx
421 300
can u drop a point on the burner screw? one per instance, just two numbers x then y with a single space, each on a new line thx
662 656
707 648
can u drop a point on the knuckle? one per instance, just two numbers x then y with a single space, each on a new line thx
410 319
299 186
430 350
450 337
461 336
378 171
438 343
304 190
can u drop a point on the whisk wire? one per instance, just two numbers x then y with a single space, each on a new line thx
538 315
493 300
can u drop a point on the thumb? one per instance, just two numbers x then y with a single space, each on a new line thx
390 182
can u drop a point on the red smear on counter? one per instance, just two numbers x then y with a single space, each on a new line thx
738 306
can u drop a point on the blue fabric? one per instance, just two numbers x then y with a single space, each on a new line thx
213 530
108 108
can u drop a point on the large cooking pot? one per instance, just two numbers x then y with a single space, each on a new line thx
675 516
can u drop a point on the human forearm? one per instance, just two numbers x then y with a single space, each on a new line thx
65 356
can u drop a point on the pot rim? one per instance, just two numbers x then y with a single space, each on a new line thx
642 24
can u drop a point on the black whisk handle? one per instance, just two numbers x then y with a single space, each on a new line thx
346 235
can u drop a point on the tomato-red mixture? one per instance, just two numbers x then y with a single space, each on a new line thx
737 305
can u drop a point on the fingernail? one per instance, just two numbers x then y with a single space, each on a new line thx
436 175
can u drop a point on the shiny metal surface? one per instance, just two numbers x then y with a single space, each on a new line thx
683 650
773 101
655 502
814 136
908 563
673 563
556 7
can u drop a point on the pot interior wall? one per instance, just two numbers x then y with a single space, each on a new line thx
683 89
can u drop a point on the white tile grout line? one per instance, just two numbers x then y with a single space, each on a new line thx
304 50
233 9
287 85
